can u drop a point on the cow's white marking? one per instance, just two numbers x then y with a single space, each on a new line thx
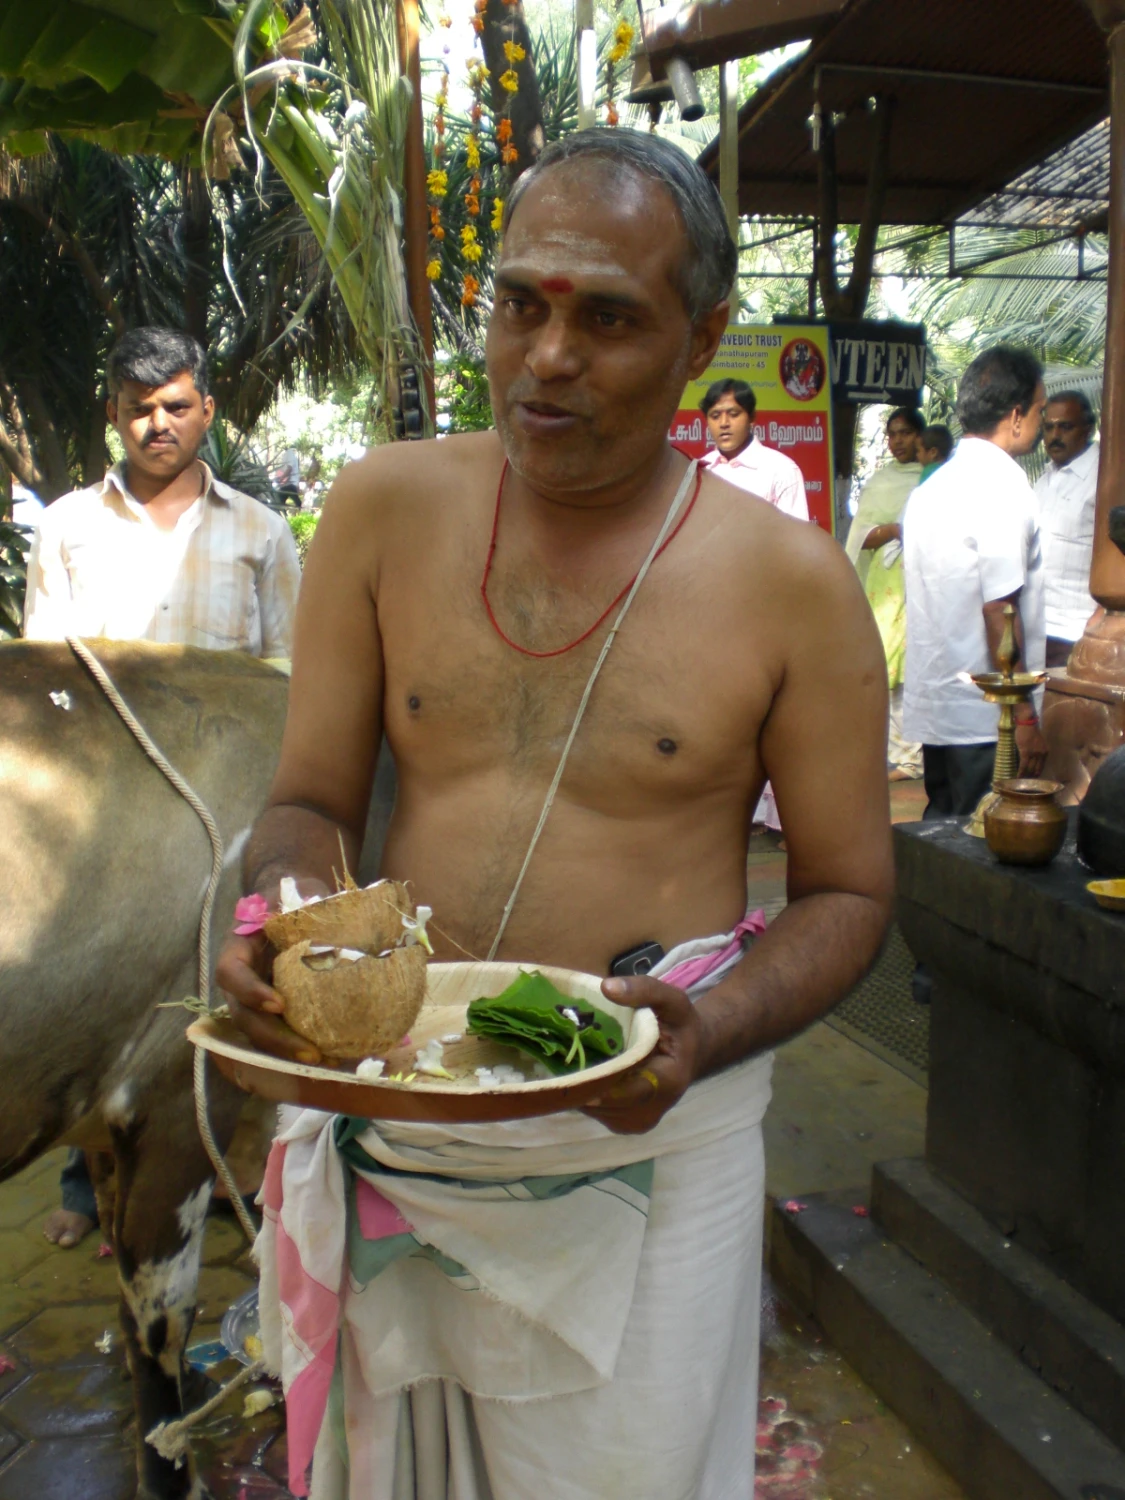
166 1288
236 846
118 1108
232 854
193 1210
61 700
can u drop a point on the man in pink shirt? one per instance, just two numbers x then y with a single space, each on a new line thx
739 456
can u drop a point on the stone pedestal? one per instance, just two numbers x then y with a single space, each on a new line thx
984 1298
1026 1115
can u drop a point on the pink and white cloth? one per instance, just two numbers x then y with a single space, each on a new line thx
566 1338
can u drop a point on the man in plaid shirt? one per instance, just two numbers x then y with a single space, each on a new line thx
160 550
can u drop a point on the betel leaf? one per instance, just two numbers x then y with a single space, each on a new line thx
562 1033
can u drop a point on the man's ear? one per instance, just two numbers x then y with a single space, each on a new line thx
705 336
111 411
208 412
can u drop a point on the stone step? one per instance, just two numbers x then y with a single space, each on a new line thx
1075 1346
1003 1433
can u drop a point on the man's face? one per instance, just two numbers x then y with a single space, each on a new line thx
902 440
730 427
1066 433
1030 424
162 427
589 344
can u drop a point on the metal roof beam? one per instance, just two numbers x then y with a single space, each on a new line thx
706 33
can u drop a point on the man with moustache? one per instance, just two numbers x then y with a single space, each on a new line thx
567 1305
160 550
1067 492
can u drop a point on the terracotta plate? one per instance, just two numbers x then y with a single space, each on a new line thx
451 988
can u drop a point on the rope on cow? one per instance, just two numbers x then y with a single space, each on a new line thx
172 1440
203 812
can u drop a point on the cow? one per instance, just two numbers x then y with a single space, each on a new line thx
103 868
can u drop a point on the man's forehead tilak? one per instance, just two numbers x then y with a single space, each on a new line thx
560 252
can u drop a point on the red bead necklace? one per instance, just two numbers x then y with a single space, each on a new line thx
586 634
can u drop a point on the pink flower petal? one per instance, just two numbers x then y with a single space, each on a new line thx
861 1211
7 1363
104 1251
250 913
793 1207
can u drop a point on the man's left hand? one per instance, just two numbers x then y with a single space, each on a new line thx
1032 749
637 1100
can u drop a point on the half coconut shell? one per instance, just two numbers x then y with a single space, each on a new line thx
358 1008
370 919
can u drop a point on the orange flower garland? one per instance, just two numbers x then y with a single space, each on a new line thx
619 50
437 181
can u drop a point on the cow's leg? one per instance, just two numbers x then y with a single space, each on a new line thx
164 1181
100 1166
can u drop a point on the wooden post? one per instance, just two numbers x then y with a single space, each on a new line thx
415 220
587 61
728 158
1107 571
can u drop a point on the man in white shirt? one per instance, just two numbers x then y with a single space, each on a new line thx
1067 492
971 544
741 457
160 550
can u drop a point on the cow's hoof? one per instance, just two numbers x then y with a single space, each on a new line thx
198 1491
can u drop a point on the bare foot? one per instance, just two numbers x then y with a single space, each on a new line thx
64 1228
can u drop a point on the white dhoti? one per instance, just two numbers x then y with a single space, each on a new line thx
521 1315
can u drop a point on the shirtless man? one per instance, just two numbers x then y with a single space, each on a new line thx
749 643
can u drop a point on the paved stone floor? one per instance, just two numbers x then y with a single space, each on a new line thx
66 1429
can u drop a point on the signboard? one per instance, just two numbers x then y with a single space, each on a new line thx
788 369
878 361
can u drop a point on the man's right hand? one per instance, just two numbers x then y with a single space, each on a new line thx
242 974
1032 748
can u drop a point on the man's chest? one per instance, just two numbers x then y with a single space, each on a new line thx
678 700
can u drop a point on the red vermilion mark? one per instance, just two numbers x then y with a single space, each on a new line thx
556 284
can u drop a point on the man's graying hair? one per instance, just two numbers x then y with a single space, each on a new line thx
711 263
154 356
1080 399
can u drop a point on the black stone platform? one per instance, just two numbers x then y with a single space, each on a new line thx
982 1298
1026 1115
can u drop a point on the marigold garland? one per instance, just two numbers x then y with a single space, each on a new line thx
471 248
619 50
497 214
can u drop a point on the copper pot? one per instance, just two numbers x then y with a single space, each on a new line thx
1024 825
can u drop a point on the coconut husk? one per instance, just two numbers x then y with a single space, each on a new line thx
370 919
357 1008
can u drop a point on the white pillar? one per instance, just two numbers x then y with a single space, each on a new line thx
728 156
587 61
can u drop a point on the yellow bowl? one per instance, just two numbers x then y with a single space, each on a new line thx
1108 893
